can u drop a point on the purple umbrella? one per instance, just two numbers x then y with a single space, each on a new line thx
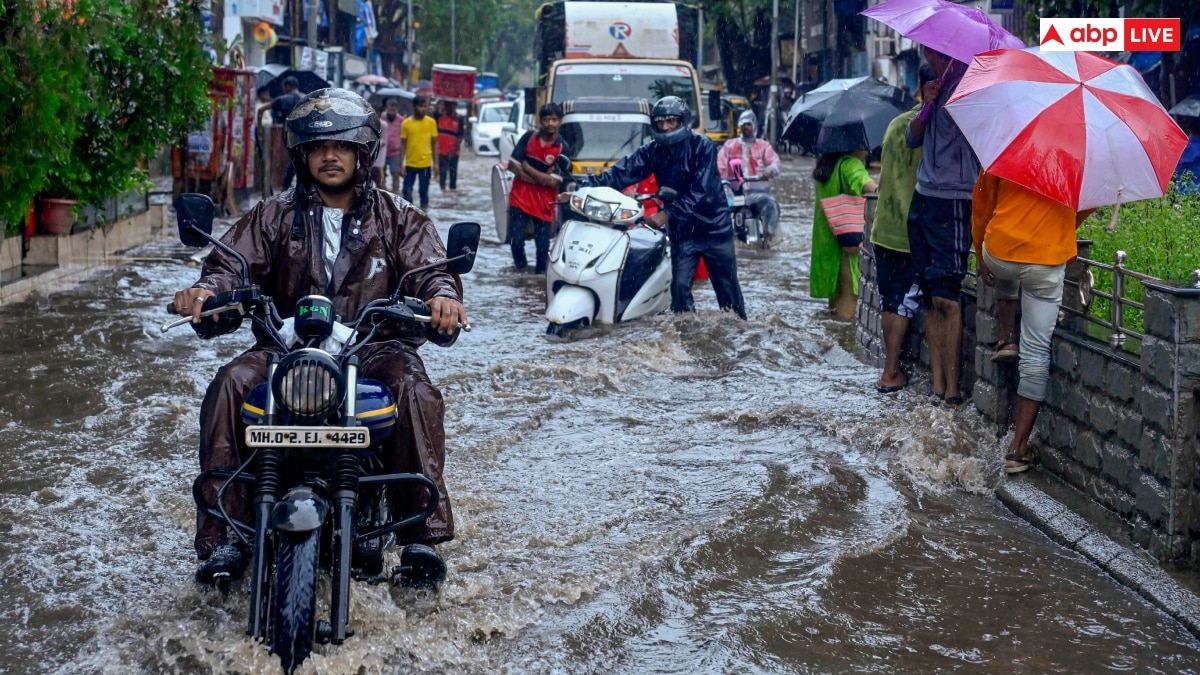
956 30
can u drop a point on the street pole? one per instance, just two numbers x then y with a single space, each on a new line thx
314 14
453 33
773 100
409 52
796 46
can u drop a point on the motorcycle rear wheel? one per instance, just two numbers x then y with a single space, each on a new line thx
294 625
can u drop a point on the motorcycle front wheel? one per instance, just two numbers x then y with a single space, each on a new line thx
295 622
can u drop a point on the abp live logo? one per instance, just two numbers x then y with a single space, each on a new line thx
1110 35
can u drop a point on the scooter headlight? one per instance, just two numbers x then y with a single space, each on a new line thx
597 210
308 383
730 196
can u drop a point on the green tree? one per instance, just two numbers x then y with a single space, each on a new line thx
92 87
42 98
742 29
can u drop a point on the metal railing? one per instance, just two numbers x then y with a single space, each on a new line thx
1117 298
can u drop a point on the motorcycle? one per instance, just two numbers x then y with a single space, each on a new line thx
747 228
608 265
314 429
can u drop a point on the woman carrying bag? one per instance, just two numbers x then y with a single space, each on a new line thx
841 180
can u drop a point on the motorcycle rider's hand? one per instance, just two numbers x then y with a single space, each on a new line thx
448 314
190 302
565 197
659 219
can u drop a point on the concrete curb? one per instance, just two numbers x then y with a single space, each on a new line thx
1130 567
68 259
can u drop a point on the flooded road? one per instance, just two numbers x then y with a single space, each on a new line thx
677 495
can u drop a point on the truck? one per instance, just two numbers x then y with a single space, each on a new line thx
633 50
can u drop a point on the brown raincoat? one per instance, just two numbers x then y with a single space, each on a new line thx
380 241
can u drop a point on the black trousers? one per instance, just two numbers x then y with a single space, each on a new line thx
720 257
410 176
518 231
448 168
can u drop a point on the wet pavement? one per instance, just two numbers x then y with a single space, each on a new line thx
679 494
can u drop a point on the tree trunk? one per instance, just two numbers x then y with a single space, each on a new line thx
744 58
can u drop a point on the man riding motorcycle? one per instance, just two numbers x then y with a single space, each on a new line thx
758 159
697 222
336 235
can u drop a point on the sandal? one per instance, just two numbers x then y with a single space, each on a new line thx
1023 462
1006 352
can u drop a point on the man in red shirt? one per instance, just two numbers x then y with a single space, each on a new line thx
450 135
535 187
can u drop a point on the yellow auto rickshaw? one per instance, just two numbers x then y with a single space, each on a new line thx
721 114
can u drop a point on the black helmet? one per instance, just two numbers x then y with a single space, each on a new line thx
671 106
333 115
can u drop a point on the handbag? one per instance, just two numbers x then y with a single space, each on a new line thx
846 215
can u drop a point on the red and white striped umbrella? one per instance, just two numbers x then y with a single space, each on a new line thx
1078 128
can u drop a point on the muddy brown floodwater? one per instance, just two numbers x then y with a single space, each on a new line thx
686 494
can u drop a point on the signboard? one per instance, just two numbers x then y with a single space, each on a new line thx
200 142
621 30
270 11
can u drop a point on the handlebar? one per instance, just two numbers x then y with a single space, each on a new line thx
407 310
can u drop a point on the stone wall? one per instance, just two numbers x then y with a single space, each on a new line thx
1121 428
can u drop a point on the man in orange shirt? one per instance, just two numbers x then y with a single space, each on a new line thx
1023 242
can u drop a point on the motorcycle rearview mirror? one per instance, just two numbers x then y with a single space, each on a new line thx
714 104
564 164
462 243
194 212
667 195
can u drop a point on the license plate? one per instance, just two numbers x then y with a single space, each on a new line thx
307 437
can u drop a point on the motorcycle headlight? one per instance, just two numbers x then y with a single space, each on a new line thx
308 383
597 210
730 197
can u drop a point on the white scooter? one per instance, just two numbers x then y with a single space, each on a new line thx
608 266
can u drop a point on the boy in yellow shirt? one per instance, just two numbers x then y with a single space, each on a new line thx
418 145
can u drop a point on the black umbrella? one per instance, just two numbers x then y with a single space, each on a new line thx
307 80
1188 107
264 75
852 115
379 98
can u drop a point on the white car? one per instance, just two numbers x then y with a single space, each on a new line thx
486 128
518 123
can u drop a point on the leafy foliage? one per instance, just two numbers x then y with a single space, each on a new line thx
42 80
97 86
1159 237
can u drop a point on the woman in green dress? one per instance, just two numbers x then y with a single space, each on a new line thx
834 269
